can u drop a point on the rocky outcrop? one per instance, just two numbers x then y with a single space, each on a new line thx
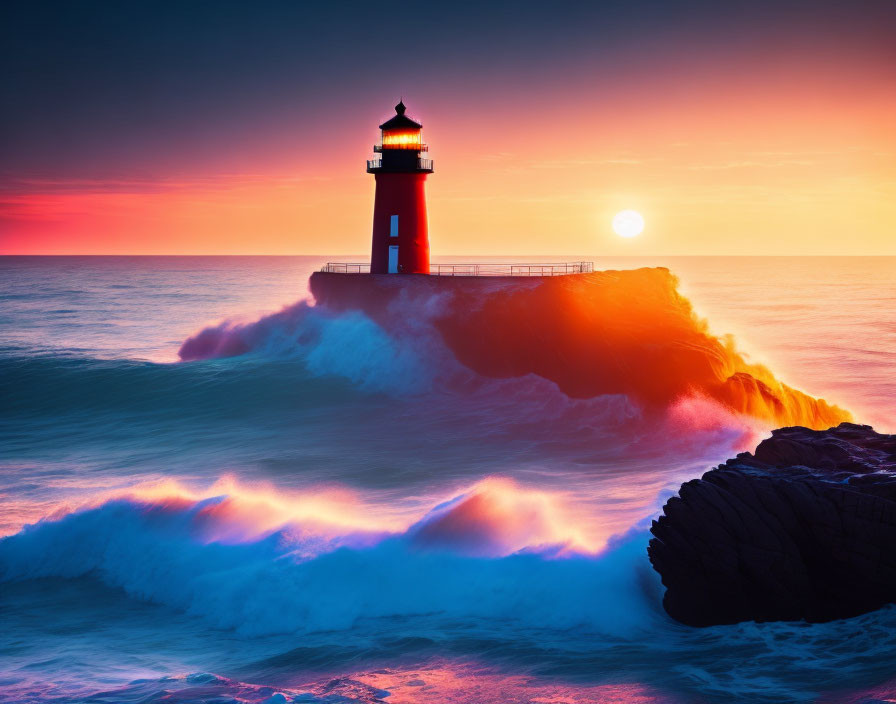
804 528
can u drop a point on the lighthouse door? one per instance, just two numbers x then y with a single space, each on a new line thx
393 259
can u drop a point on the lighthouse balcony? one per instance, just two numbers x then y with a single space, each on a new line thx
418 147
375 166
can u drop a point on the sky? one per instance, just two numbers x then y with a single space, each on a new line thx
221 127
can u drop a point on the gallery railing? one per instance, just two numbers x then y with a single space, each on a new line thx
375 165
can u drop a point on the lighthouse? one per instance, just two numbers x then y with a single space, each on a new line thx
400 235
400 242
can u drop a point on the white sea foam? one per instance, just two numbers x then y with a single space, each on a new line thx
269 584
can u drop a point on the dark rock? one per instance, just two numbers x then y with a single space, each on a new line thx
802 529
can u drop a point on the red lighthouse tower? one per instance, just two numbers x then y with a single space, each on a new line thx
400 234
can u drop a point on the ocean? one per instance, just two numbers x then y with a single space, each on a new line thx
321 517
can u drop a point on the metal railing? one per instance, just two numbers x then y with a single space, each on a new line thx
548 269
422 164
345 268
418 147
552 269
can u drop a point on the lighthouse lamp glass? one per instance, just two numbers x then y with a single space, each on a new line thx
410 139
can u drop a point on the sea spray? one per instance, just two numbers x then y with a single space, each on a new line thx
612 332
350 346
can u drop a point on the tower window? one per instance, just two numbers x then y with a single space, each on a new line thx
393 226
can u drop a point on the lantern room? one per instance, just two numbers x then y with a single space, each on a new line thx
401 132
400 146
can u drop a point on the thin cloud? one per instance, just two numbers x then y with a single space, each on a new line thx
86 186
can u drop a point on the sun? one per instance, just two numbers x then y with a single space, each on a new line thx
628 223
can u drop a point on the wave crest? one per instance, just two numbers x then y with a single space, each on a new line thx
491 553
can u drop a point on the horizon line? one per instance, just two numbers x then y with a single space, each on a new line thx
554 255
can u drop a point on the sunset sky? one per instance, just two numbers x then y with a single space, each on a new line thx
242 127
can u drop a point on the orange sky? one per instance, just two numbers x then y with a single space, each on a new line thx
781 155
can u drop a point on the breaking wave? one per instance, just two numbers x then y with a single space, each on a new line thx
350 346
494 580
627 333
263 565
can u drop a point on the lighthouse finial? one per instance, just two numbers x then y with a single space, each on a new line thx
400 108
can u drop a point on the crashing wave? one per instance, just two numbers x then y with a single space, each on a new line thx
248 563
614 332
